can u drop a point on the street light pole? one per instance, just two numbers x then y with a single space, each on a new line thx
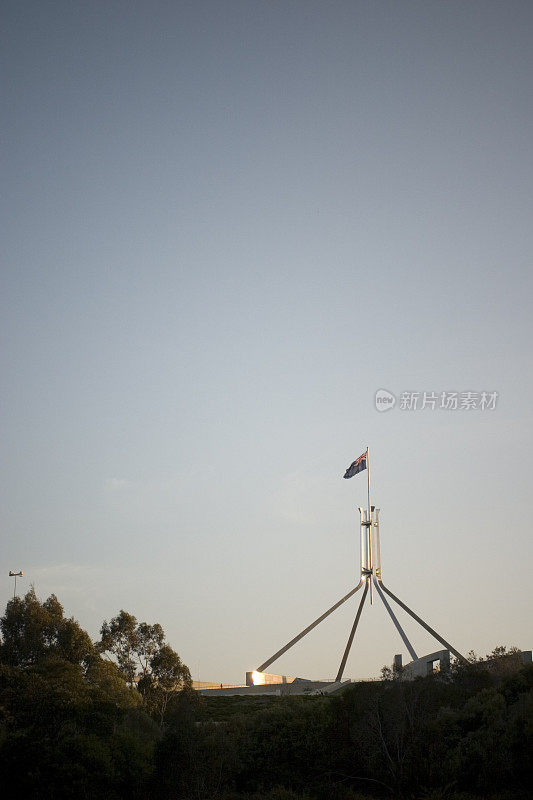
15 575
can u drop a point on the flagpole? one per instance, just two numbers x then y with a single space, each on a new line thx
370 565
368 476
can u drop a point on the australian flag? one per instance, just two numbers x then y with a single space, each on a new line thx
356 466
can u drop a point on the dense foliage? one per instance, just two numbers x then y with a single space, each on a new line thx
75 724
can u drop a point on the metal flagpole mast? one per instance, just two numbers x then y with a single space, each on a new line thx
369 537
368 475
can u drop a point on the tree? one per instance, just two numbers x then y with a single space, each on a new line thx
119 638
108 685
503 661
70 726
33 631
159 686
144 659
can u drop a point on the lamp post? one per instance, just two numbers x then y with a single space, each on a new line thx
15 575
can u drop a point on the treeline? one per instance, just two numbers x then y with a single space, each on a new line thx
117 719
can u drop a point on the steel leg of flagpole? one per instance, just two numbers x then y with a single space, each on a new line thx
309 628
399 628
352 634
423 624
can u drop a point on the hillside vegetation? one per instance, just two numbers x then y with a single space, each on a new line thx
117 719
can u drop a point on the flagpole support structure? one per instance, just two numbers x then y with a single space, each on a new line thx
309 628
370 577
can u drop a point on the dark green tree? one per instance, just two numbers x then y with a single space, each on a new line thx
119 640
32 631
159 684
145 660
70 726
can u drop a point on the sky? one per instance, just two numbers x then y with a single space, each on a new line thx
227 225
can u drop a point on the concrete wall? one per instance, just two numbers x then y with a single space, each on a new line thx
426 665
437 661
299 686
264 678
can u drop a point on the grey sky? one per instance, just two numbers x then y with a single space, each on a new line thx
226 224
